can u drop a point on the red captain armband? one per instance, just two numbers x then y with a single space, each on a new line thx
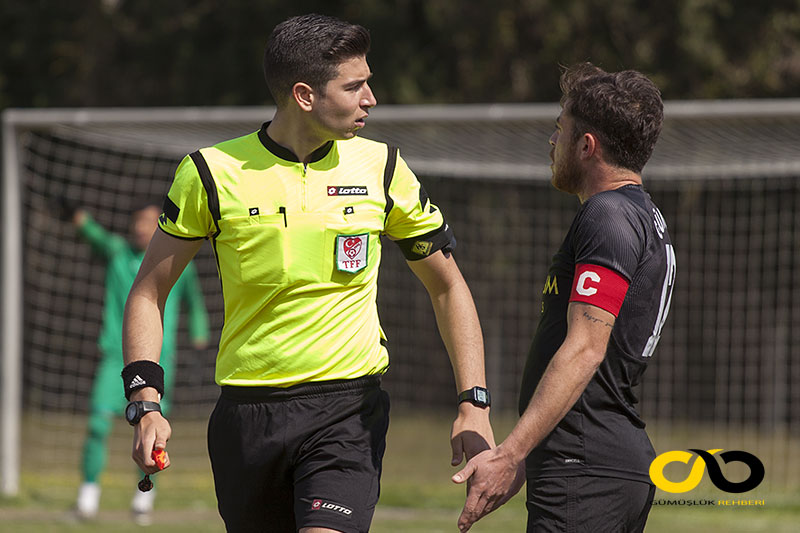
599 286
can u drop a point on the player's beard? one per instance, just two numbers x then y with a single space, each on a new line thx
567 176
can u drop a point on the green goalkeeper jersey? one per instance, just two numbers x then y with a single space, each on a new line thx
123 265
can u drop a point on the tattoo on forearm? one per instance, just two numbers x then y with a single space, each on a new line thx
595 319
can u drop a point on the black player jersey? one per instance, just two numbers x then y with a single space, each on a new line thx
621 231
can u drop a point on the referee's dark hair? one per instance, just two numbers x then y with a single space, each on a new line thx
622 109
309 49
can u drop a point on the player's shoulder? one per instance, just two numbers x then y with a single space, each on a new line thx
625 195
622 202
616 211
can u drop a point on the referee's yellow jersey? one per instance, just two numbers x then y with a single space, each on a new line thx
298 249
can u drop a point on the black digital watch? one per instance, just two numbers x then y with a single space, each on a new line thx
477 396
134 411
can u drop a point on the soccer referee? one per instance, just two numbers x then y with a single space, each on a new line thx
585 453
295 212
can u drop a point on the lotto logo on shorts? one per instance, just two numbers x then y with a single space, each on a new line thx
317 505
353 190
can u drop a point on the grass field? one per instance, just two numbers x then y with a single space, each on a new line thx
417 495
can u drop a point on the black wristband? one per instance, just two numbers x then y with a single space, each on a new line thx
141 374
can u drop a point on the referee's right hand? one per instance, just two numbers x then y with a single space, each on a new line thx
151 433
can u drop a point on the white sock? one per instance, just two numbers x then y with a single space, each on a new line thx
142 502
88 499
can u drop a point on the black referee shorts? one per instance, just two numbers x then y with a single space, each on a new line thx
588 504
305 456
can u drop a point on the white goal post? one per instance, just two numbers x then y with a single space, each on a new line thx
703 142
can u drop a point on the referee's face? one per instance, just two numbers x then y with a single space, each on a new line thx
340 111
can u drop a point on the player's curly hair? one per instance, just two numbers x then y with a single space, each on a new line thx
622 109
309 49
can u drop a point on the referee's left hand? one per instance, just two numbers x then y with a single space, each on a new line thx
493 477
472 433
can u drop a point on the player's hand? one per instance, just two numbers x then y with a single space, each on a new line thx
66 209
79 217
493 477
199 344
149 435
472 433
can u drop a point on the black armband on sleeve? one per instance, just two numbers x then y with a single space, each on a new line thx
171 210
140 374
420 247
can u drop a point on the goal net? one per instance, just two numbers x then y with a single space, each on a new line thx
726 176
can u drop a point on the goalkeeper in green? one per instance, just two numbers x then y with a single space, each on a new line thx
123 258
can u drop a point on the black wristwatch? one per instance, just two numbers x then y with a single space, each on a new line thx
136 410
477 396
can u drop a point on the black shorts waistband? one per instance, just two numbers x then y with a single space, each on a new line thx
314 388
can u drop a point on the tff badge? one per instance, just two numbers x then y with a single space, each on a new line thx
351 252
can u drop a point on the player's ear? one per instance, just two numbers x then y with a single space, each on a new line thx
588 146
303 95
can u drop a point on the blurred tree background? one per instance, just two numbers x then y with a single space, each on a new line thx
208 52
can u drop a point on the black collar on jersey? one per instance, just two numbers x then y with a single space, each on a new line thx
285 153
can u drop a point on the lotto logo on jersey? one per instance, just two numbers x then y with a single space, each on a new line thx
317 505
351 252
350 190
